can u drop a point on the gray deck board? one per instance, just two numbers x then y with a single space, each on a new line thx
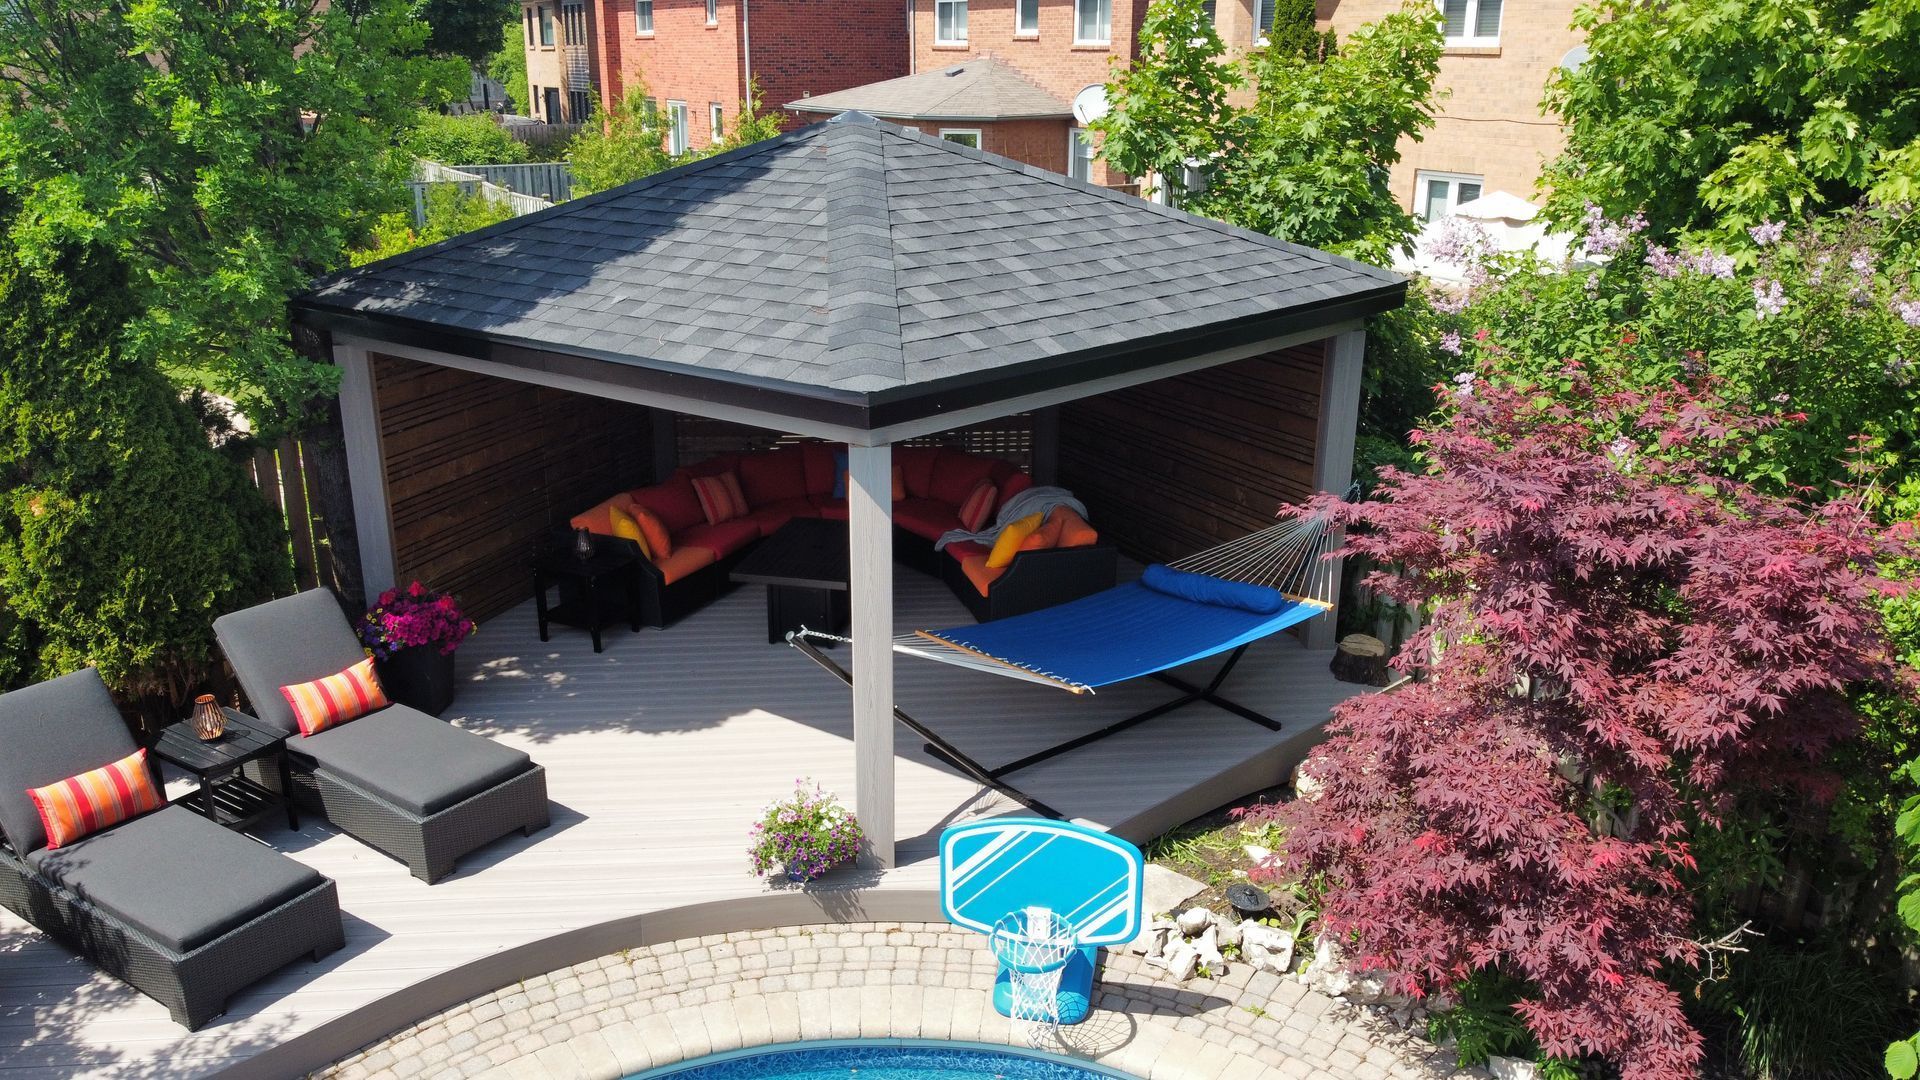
659 753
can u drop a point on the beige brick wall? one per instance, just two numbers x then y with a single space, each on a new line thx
543 61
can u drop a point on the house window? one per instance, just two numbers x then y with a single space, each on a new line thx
643 16
1080 154
949 22
677 141
1471 22
717 121
546 24
579 105
1092 20
1440 193
1026 21
1210 10
529 13
1262 19
963 136
713 12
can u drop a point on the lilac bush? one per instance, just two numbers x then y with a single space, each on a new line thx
809 833
408 620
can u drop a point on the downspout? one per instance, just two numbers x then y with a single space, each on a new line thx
913 53
746 51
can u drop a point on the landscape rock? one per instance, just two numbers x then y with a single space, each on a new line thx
1182 962
1208 946
1367 990
1153 940
1230 933
1267 948
1511 1068
1257 854
1166 891
1194 920
1305 787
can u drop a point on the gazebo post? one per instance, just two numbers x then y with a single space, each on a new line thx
870 528
1333 457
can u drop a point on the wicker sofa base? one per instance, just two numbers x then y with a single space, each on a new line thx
194 986
428 845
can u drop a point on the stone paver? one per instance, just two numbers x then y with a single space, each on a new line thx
644 1008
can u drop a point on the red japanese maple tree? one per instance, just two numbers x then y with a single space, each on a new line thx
1612 621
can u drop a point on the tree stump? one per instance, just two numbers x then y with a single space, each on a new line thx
1360 658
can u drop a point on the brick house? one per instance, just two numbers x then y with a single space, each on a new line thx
560 76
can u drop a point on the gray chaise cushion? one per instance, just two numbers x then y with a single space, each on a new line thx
418 763
48 732
294 639
177 877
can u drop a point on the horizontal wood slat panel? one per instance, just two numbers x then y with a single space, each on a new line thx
1009 438
1186 463
479 469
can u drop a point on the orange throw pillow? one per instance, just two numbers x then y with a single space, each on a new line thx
659 542
979 505
1046 537
1074 530
720 497
336 699
1010 539
85 804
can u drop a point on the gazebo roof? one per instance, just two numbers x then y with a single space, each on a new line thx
978 89
852 273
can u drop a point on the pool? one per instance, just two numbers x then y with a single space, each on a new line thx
883 1059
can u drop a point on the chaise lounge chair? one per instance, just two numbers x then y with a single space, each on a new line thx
396 779
184 910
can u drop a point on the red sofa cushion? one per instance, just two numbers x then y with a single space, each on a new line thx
770 517
955 472
673 502
817 463
925 517
966 549
683 562
1013 483
723 539
916 468
829 507
772 476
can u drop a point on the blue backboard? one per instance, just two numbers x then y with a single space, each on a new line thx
1092 880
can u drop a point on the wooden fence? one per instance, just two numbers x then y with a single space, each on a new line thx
280 472
427 173
550 180
542 135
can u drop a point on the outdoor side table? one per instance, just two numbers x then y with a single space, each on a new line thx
225 796
592 590
805 569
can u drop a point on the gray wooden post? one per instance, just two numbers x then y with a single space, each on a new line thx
870 525
1333 448
366 469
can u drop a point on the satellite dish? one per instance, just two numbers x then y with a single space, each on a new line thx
1090 104
1576 58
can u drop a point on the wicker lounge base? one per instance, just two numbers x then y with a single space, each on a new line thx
429 845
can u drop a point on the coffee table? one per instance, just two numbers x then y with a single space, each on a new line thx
226 797
805 568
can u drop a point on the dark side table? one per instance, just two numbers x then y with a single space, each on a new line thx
593 590
226 797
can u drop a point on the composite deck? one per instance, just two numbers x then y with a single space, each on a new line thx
659 752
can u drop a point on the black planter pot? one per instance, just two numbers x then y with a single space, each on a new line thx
421 678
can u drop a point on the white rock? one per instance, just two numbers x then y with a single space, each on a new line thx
1257 854
1334 982
1305 786
1230 933
1195 919
1510 1068
1267 948
1182 962
1153 941
1367 990
1208 946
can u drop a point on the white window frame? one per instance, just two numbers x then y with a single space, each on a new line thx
717 120
679 128
1021 10
543 18
966 133
1078 38
1471 39
642 27
1074 144
950 5
1263 13
1453 181
713 12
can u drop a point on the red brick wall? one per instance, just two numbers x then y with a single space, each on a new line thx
684 59
1041 143
813 47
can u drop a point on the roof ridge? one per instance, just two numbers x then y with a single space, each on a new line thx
863 301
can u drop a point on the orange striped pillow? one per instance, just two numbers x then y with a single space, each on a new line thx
979 504
85 804
336 699
720 497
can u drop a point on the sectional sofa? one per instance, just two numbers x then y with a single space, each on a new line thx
931 486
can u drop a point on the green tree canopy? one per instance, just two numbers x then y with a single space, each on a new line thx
1719 114
227 153
473 139
508 67
469 29
629 141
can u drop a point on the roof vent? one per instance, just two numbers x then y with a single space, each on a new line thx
960 70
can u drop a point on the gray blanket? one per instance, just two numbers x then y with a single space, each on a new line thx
1034 500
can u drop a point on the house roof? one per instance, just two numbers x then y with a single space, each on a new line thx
978 89
850 272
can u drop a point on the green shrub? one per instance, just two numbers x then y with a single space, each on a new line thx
123 531
474 139
450 212
1482 1023
1801 1009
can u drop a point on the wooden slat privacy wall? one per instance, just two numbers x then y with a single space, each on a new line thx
478 469
1179 465
1009 438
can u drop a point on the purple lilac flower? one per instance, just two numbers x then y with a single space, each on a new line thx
1663 262
1463 384
1623 451
1450 342
1606 236
1450 303
1861 262
1908 310
1713 264
1768 298
1767 233
1460 242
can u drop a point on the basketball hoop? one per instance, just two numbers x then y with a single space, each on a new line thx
1033 946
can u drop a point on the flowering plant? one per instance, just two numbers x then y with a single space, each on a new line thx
809 833
410 619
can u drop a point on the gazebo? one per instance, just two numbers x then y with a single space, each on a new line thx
850 281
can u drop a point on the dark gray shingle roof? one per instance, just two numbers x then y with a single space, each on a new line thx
979 89
849 258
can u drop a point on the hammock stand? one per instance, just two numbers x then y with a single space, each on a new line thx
1285 559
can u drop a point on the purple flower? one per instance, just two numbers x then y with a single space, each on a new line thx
1662 262
1450 303
1606 236
1713 264
1450 342
1768 298
1861 261
1908 310
1460 242
1463 384
1767 233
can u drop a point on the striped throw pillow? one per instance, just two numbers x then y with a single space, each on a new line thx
81 805
979 504
720 497
336 699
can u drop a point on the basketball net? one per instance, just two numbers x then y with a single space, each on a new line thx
1034 945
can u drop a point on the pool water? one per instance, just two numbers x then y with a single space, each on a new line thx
882 1059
